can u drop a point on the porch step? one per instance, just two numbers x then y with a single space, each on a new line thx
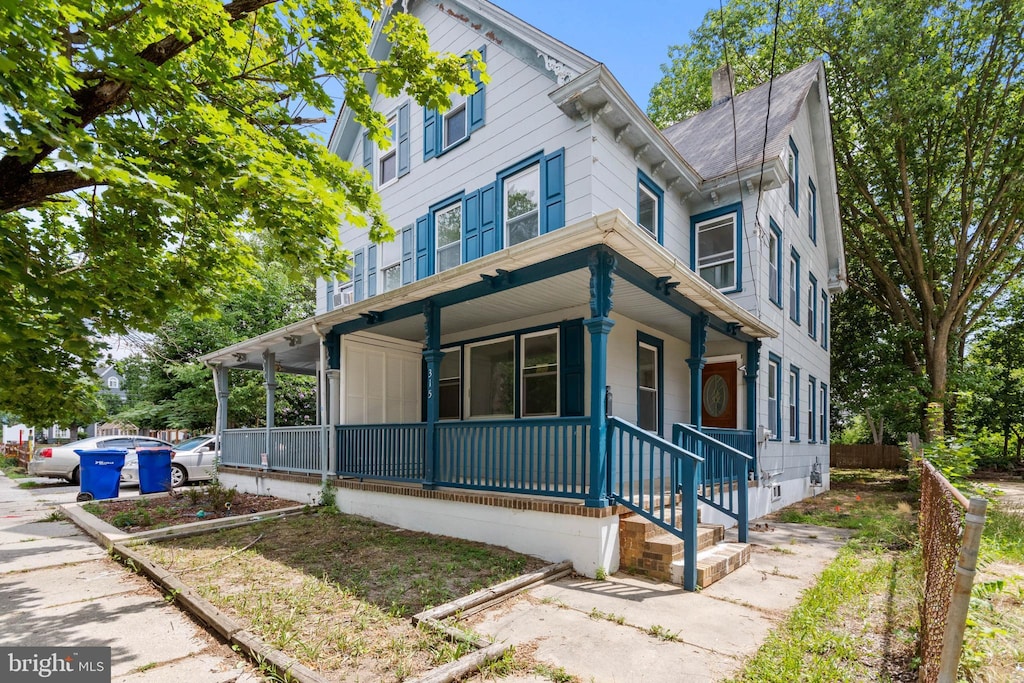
645 548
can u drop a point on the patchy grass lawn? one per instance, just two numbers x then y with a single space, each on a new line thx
336 591
192 505
10 466
860 622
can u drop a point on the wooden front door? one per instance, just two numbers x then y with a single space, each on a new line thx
718 400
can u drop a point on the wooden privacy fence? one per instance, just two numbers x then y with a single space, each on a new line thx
867 456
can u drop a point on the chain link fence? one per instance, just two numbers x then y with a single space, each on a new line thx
950 557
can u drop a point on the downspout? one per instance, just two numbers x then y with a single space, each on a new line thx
325 396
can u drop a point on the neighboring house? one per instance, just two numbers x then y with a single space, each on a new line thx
581 315
111 382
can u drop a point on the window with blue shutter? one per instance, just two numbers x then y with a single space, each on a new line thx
329 286
573 368
489 242
443 131
404 149
367 153
430 133
408 255
471 226
477 101
424 247
552 181
358 277
371 270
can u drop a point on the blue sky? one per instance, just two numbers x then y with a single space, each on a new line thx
631 38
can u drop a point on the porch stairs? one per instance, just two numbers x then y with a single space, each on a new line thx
645 548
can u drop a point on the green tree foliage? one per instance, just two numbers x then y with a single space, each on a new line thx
142 141
928 108
169 388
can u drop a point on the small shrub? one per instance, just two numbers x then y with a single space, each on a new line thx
601 574
328 498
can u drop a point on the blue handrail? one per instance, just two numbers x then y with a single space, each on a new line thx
723 470
646 473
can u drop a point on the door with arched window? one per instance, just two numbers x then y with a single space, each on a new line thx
718 398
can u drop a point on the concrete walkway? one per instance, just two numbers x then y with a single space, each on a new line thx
628 629
58 588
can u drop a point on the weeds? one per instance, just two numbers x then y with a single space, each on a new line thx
662 633
55 516
607 616
328 498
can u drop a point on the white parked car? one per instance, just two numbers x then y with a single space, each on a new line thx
61 462
194 459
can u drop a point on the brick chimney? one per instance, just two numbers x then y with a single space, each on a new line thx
722 80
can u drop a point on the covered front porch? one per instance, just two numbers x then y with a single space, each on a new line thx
552 394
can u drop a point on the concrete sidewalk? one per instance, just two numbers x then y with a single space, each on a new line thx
59 588
627 629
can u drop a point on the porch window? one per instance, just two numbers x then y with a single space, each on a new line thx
794 287
387 160
455 122
491 382
522 206
540 374
793 168
774 264
794 403
449 385
647 386
649 205
716 251
448 224
774 380
812 392
812 305
823 412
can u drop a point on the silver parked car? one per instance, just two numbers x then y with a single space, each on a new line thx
61 462
194 459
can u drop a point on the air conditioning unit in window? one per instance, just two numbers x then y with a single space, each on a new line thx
343 297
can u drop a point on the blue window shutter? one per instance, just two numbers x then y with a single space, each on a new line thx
358 290
404 150
489 242
572 367
424 240
431 127
471 226
552 185
477 101
408 255
367 153
330 294
371 270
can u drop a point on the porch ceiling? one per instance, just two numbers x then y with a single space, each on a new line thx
296 346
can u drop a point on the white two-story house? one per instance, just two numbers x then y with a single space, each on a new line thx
582 317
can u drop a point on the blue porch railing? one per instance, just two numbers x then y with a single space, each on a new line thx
723 473
740 439
546 456
395 452
646 473
285 449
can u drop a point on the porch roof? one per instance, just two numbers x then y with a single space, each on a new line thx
295 345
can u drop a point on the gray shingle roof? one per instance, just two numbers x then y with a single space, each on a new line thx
706 140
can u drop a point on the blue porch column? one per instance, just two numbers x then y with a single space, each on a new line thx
432 355
696 362
600 326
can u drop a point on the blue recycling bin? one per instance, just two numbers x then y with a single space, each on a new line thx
154 470
100 472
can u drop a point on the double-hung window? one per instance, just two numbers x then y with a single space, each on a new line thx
391 264
540 374
794 403
649 205
774 263
823 412
455 122
522 205
448 228
716 250
794 286
793 169
812 305
491 385
387 160
449 385
774 406
812 393
647 386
